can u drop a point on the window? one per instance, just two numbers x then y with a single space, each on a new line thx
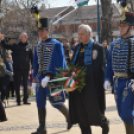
77 22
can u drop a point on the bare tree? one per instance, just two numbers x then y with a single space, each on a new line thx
5 8
106 19
67 35
24 17
131 5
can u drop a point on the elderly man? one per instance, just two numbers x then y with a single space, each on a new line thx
22 55
120 65
88 106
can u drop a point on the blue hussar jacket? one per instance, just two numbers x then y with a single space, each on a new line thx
48 56
118 58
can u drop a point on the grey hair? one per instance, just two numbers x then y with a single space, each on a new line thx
24 33
87 28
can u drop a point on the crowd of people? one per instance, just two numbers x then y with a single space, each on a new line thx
103 68
15 68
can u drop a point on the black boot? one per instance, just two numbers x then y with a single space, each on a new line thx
105 128
105 125
65 112
42 125
2 113
129 128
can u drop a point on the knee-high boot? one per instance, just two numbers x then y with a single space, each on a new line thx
42 125
129 128
2 113
65 112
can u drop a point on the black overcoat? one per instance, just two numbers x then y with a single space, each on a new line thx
22 54
86 107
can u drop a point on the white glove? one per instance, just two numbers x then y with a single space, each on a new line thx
33 85
107 85
132 84
45 81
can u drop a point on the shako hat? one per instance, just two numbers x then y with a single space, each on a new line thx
43 23
127 17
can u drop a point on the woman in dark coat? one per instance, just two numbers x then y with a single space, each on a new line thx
88 106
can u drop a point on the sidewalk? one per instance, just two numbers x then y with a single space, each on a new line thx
24 120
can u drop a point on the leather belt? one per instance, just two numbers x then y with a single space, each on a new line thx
120 74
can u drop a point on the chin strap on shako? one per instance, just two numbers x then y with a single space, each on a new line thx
127 30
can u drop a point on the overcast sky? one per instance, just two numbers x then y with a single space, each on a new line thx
61 3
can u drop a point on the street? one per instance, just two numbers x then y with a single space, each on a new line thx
24 120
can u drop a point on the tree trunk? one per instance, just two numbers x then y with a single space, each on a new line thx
132 5
106 20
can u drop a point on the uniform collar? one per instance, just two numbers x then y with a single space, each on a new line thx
127 37
48 39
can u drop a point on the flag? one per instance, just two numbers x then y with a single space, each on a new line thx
56 92
81 2
67 82
59 79
72 83
48 48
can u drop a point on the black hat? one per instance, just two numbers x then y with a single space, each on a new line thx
43 23
34 9
128 18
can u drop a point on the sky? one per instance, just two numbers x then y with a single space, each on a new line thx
61 3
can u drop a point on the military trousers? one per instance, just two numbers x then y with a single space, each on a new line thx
124 99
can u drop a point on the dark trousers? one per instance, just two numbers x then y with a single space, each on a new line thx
85 130
2 113
10 87
3 91
21 74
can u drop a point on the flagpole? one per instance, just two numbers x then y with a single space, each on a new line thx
98 21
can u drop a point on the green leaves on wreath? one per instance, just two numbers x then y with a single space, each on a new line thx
80 73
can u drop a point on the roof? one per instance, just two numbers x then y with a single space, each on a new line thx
51 12
88 12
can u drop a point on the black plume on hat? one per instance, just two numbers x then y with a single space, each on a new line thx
34 9
123 3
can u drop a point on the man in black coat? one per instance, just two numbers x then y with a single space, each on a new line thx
22 55
87 107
